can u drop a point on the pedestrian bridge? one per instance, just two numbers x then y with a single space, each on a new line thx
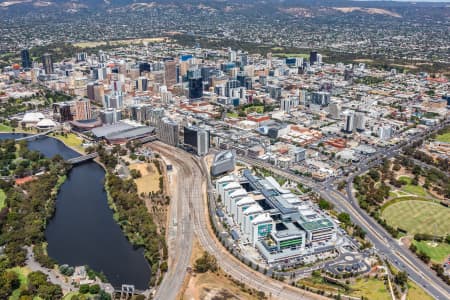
34 136
83 158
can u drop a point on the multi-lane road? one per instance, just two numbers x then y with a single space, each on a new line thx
193 179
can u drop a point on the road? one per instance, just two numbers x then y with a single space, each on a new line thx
180 230
383 242
199 216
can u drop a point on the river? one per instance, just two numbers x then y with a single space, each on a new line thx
83 231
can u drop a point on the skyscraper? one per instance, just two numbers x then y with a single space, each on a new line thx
195 87
26 61
313 57
83 110
168 131
335 109
197 138
170 73
47 63
360 121
349 122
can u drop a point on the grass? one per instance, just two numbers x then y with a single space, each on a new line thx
232 115
71 140
2 199
415 190
22 273
370 288
438 253
417 216
304 55
5 128
445 138
416 293
258 108
317 282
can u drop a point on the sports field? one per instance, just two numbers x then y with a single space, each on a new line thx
416 216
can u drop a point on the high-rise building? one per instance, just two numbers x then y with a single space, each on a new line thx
319 59
83 110
385 132
195 87
142 84
349 122
168 131
320 98
224 161
26 61
170 73
47 63
360 121
335 110
312 57
110 116
62 112
197 138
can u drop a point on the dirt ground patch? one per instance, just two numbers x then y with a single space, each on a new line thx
211 286
149 182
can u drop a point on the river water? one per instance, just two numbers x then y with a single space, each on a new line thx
83 231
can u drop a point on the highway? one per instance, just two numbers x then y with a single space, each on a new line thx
180 233
195 180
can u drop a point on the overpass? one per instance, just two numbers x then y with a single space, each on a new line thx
83 158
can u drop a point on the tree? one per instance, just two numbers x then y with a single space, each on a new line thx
324 204
374 174
344 218
84 288
206 263
401 278
94 289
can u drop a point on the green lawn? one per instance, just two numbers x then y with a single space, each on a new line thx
415 190
370 288
259 109
232 115
417 216
22 273
71 140
438 253
443 137
5 128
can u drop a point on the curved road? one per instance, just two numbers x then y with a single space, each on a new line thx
195 184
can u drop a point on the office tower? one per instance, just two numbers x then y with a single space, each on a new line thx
274 92
101 56
168 131
26 61
320 98
144 67
349 122
99 93
360 121
81 56
83 110
312 57
348 74
90 90
197 138
231 55
166 97
110 116
319 59
286 104
170 73
335 109
385 132
113 101
230 85
142 84
195 87
269 60
62 112
47 63
244 59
